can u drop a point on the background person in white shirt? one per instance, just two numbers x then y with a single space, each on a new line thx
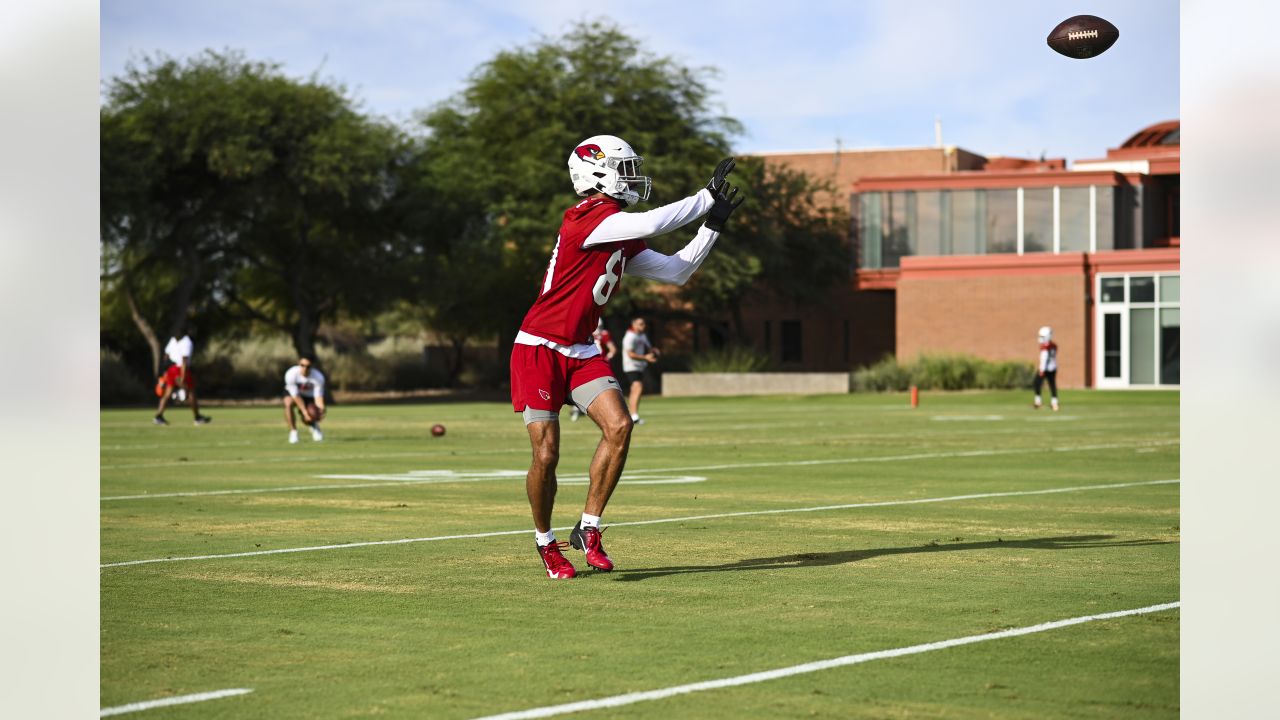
304 392
637 353
1047 368
179 376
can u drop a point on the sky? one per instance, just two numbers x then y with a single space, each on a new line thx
799 76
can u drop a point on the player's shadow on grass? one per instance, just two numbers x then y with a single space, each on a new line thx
840 557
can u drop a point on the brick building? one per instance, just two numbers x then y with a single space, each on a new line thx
956 252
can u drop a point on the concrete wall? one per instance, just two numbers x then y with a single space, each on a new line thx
693 384
993 309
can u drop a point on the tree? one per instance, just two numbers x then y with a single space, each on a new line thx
495 160
782 242
495 163
271 198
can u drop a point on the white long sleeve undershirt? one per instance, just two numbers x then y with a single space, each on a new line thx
634 226
650 263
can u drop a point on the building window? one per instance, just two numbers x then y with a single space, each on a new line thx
894 225
1139 330
1113 290
871 229
791 341
965 224
1073 219
1106 217
1002 221
1037 220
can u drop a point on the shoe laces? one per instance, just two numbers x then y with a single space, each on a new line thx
554 550
599 532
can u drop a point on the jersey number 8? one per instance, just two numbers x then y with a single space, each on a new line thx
606 283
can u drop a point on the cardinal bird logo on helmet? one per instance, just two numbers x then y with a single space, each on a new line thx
590 152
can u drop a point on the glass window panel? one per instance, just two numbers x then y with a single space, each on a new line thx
1170 337
1142 346
1142 289
872 230
1113 290
897 241
928 225
1111 345
1106 217
1073 214
965 222
1170 288
1002 221
1037 220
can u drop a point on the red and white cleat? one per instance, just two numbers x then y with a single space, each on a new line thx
588 541
558 567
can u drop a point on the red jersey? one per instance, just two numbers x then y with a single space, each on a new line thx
579 281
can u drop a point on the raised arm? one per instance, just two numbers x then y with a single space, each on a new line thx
679 267
632 226
676 268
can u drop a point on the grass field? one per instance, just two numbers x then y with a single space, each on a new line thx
447 627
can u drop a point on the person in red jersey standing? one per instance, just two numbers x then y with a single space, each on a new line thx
555 361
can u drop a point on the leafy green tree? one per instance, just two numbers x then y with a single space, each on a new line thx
273 199
495 160
494 163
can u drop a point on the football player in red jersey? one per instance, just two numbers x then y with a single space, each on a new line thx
554 360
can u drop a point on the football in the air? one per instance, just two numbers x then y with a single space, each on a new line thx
1083 36
437 430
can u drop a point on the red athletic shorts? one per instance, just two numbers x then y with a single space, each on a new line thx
541 378
174 372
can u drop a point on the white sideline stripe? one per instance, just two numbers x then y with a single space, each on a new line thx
313 458
387 481
179 700
730 466
884 503
635 697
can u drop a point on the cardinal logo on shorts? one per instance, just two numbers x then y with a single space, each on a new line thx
590 152
545 395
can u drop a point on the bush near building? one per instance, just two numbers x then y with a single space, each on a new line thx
943 372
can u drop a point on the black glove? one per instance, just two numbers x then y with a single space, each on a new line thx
723 208
718 181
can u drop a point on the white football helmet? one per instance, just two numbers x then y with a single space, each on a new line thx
1046 334
607 164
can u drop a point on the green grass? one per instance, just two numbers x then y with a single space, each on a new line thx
465 628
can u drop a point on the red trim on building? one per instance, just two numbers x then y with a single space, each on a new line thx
876 279
988 265
1166 166
980 180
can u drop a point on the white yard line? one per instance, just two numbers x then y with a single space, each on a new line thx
524 450
779 511
390 480
178 700
659 694
502 474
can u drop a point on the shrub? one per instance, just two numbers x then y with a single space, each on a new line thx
942 372
117 384
884 376
731 358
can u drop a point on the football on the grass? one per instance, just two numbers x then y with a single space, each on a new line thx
437 430
1083 36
